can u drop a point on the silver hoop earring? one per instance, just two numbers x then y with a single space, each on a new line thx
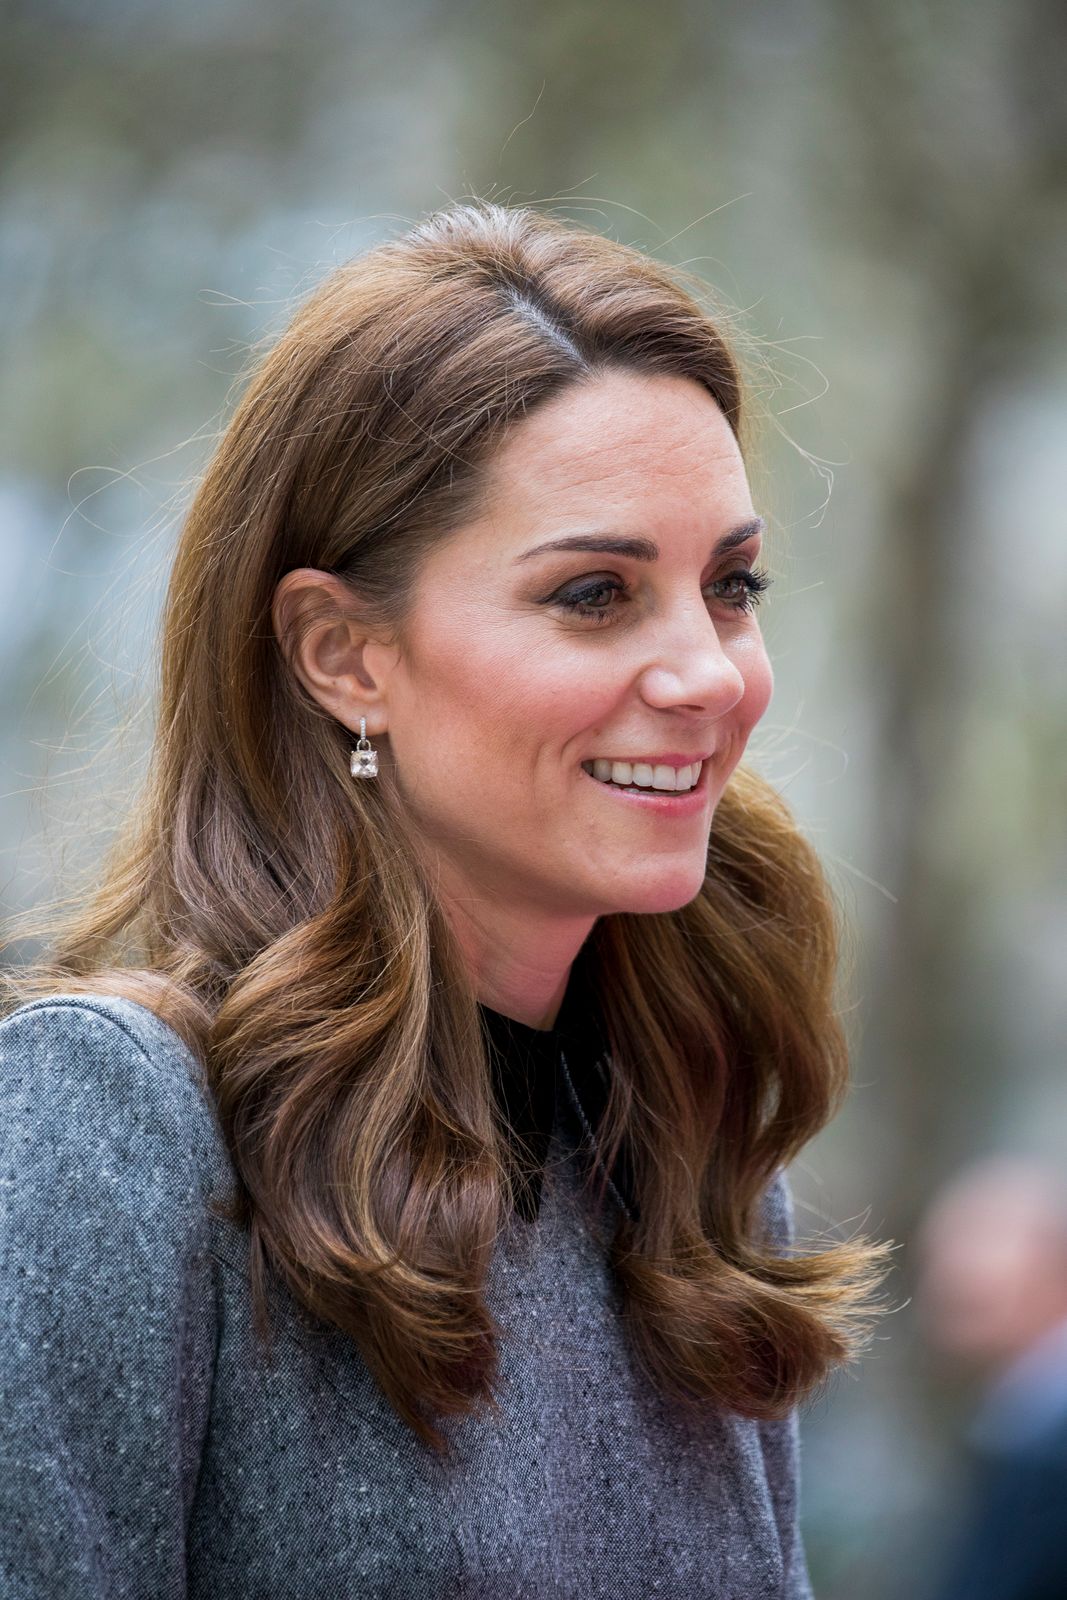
364 760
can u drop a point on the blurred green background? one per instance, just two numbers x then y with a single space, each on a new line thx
881 188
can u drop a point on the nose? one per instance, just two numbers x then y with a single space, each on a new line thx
691 670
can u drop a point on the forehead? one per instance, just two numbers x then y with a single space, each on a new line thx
621 438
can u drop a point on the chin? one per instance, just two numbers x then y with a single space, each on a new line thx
670 891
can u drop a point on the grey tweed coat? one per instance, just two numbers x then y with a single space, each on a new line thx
147 1449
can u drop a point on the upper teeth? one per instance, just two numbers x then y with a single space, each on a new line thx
644 774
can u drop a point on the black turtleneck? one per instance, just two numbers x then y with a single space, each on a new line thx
529 1082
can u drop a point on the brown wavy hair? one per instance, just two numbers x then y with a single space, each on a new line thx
275 915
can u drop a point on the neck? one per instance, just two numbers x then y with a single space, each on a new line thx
521 963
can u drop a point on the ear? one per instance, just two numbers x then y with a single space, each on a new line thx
341 662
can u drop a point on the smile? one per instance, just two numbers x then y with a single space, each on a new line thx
643 775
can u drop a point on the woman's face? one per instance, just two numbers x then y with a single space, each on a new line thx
502 691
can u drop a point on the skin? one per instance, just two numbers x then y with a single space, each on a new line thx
992 1264
493 699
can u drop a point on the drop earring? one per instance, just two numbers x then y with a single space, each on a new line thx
364 758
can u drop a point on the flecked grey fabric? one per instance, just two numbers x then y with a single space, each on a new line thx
147 1449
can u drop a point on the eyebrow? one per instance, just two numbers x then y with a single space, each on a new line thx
638 549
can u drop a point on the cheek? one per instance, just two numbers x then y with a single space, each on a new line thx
749 656
755 668
759 686
482 698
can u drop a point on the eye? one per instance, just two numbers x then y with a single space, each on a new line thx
754 583
582 602
593 601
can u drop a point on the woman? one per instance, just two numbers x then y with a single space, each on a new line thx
395 1143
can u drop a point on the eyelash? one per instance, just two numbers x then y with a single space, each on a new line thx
756 582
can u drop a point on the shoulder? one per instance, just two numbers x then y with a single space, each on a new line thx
106 1077
109 1295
